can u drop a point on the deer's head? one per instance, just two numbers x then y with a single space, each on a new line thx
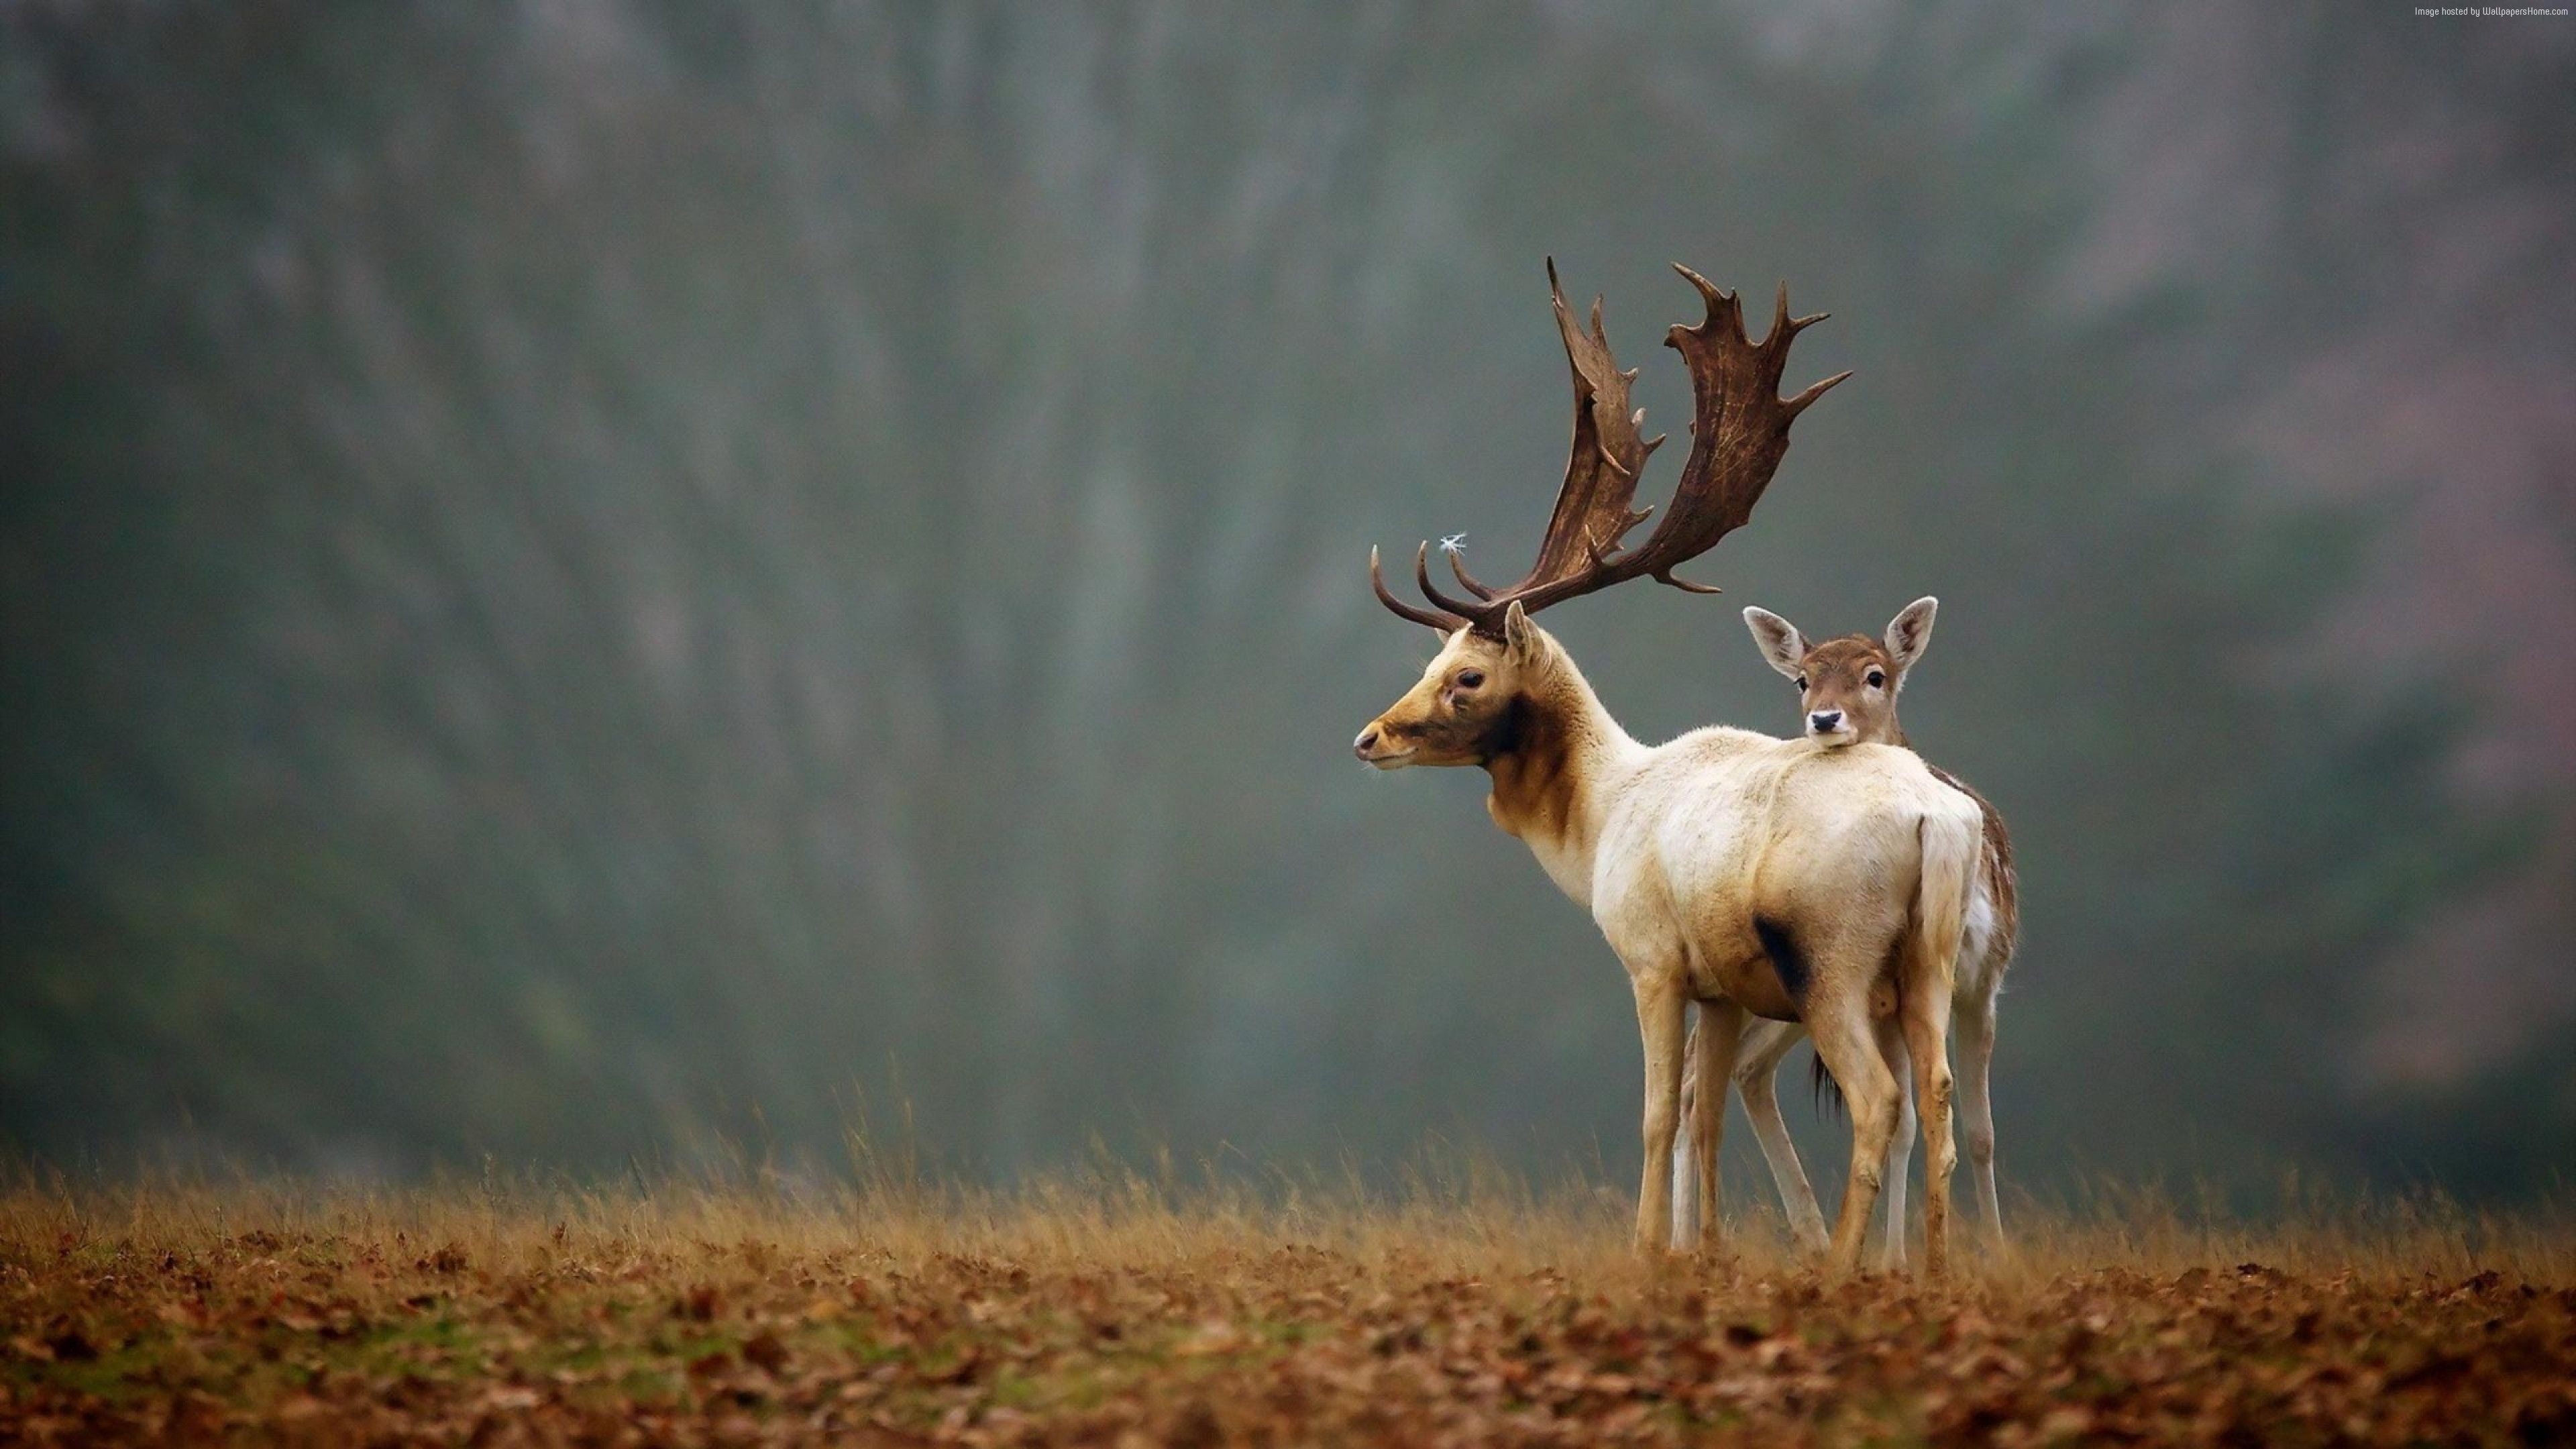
1847 687
1462 711
1471 705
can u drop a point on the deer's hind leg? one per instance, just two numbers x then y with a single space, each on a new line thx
1926 1015
1837 1017
1976 1033
1757 1074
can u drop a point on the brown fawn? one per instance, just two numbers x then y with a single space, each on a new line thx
1847 695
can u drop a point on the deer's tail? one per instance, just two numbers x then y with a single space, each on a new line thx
1950 845
1947 854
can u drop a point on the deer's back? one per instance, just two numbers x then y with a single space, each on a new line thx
1721 830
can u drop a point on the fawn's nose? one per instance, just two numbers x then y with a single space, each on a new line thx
1824 721
1365 743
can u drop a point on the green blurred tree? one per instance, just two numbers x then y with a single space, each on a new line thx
646 575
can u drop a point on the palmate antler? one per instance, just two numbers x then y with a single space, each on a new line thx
1739 432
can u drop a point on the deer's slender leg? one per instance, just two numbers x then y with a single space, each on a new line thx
1721 1030
1839 1021
1976 1033
1757 1074
1900 1146
1659 1027
1926 1014
1686 1222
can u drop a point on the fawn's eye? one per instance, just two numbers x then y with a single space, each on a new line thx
1470 678
1877 680
1802 684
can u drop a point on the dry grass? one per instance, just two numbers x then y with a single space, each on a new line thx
1467 1308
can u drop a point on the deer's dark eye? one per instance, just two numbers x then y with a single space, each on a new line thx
1877 680
1470 678
1802 684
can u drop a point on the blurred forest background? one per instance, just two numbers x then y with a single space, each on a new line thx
585 581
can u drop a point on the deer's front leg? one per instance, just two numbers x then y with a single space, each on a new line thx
1686 1223
1721 1030
1659 1026
1900 1147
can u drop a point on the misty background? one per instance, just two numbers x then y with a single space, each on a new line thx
585 582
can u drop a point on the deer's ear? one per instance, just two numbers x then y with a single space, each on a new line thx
1910 632
1520 636
1782 646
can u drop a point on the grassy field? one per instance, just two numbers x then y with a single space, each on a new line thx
1119 1311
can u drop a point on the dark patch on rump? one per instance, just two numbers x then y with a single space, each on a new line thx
1786 959
1794 973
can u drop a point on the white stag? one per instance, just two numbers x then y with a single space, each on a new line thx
1755 876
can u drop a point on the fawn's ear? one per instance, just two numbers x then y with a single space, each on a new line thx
1782 646
1910 633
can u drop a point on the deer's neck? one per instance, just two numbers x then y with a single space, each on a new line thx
1549 757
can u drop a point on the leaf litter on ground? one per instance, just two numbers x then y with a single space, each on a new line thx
1122 1314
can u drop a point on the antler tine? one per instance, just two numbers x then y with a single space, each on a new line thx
1665 576
1422 580
1775 353
1774 350
1445 623
1458 566
1721 302
1807 399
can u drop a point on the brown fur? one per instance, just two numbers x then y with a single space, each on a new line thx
1834 675
1837 673
1996 868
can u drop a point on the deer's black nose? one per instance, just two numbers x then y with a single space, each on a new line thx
1365 743
1825 721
